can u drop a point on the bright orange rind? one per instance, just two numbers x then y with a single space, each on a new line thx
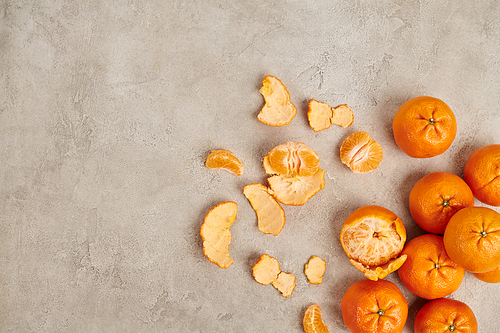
322 115
267 271
278 109
373 238
270 215
315 269
312 321
224 159
361 153
216 235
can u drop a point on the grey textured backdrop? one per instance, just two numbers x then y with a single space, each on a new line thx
109 108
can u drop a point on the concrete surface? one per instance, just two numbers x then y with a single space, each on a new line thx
109 108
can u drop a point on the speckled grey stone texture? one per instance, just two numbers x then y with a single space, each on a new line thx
109 108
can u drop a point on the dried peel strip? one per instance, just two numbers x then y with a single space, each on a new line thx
361 153
312 321
322 115
270 215
267 271
224 159
216 235
315 269
278 109
296 191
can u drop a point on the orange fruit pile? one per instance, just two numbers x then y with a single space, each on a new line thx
374 306
445 315
424 127
436 197
482 173
428 272
373 238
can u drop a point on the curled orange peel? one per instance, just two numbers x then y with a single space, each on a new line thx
278 109
322 115
270 215
267 271
216 235
295 173
315 269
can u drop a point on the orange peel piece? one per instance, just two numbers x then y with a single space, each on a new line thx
321 115
373 238
291 159
278 109
267 271
296 191
312 321
216 235
224 159
315 269
270 215
361 153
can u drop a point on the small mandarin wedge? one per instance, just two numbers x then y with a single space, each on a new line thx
224 159
312 321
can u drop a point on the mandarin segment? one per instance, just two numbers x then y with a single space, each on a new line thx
224 159
373 238
278 109
292 159
315 269
270 215
361 153
322 115
216 235
267 271
296 191
312 321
